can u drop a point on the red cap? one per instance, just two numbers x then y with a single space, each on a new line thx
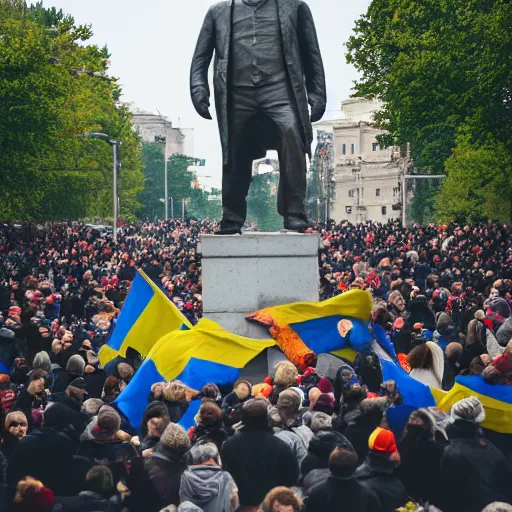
382 441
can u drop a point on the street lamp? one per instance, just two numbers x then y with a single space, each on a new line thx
163 140
115 146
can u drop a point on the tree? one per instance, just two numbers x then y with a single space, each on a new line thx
262 203
442 69
479 184
47 171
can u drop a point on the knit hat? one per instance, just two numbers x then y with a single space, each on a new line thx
40 500
324 403
470 409
324 385
78 383
108 421
255 413
382 441
174 437
92 406
289 400
320 421
286 374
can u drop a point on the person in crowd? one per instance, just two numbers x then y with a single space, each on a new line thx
33 496
210 425
256 459
155 482
341 490
99 494
47 453
427 364
206 484
473 471
315 466
111 389
420 454
154 422
234 401
176 397
281 499
377 473
287 425
361 427
101 443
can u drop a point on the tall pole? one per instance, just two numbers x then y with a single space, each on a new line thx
172 207
404 185
166 194
114 191
183 208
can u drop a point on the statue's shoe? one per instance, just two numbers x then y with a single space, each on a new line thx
296 224
229 228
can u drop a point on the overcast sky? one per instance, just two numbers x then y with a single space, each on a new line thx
152 43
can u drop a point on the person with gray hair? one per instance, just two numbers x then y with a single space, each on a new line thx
42 362
206 484
473 472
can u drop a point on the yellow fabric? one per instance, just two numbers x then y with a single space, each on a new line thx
346 353
498 413
158 318
207 341
354 303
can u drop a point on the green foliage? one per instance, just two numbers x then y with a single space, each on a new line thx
479 184
204 205
47 171
262 203
442 69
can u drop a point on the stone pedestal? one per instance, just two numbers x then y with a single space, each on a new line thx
241 274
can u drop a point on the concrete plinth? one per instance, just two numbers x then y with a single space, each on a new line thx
241 274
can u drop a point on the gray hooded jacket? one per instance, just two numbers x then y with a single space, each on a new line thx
208 487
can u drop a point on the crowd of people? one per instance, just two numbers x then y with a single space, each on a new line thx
292 442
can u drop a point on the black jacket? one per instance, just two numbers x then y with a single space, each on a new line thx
258 461
336 494
155 481
303 63
87 501
319 449
46 455
358 432
419 468
377 474
474 472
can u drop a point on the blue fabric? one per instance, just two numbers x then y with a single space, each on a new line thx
141 294
134 398
198 372
321 335
383 340
478 384
4 368
414 393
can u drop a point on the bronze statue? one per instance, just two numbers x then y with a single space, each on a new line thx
267 69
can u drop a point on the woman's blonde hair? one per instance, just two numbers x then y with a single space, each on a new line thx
174 391
15 416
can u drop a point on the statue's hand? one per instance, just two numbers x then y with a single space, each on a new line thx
201 101
317 108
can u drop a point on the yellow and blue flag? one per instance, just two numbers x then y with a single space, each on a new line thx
496 399
147 315
315 326
206 353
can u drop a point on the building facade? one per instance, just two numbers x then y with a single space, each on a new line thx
366 177
148 126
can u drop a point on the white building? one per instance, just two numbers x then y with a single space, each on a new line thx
366 176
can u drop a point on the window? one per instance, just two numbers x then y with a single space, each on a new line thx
352 149
343 149
377 192
348 209
375 145
396 191
384 210
351 193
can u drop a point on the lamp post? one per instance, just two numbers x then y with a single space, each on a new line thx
115 145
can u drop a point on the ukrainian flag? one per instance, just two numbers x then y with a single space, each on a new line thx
147 315
496 399
203 354
313 326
